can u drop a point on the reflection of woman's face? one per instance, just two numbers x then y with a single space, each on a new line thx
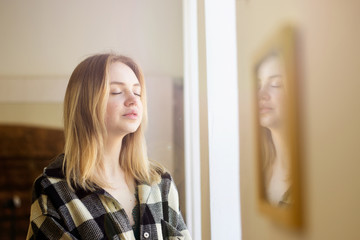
271 93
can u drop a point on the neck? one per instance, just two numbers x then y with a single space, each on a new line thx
281 148
111 161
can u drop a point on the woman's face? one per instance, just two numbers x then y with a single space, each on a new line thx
124 108
271 93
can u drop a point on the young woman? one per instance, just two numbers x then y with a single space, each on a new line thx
272 113
104 186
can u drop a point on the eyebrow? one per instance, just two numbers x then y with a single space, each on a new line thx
275 76
271 77
122 83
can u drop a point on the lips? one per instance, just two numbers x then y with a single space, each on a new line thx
131 115
265 109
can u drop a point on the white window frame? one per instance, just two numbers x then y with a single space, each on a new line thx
211 119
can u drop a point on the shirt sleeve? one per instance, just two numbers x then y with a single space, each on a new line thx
47 227
181 227
179 224
45 222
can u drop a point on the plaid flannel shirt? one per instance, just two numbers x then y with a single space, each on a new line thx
57 212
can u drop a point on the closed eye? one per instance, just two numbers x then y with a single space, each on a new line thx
276 81
116 93
276 84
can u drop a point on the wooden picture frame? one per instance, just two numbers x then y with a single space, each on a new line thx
277 129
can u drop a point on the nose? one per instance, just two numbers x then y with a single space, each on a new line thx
130 99
263 94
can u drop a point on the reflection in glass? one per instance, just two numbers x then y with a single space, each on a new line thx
272 101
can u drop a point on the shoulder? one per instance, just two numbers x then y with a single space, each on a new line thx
162 190
51 192
55 168
168 188
51 186
52 171
51 174
46 193
166 177
166 181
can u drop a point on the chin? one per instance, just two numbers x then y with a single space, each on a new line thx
133 129
267 123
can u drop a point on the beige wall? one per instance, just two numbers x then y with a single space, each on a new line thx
329 60
50 37
47 39
160 115
35 114
42 41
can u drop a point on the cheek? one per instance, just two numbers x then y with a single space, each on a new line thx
277 96
280 102
140 107
110 110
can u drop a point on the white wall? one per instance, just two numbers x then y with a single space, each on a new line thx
329 60
44 37
44 40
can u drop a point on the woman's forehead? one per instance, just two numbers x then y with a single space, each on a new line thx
270 67
121 73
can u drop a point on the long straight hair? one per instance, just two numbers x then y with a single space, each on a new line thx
85 104
268 152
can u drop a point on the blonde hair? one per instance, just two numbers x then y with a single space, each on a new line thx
268 152
84 127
